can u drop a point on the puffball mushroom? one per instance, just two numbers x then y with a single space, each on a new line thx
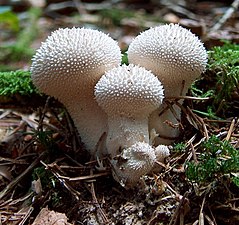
67 66
177 57
132 163
137 160
128 94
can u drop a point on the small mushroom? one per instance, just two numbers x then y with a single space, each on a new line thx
177 57
128 94
137 160
67 66
132 163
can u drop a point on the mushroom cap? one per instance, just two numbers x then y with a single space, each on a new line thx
129 91
133 162
171 52
71 60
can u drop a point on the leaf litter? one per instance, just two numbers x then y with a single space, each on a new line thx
48 177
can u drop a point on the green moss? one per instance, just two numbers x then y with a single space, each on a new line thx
15 83
220 81
224 61
179 147
217 159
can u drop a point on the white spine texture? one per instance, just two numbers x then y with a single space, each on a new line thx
132 163
128 94
67 66
177 57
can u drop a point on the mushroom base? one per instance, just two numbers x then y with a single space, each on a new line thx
166 123
124 132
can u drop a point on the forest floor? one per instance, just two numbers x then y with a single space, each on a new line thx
46 176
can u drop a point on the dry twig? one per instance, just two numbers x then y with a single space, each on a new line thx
12 184
234 6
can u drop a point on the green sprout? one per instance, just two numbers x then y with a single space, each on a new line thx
218 158
179 147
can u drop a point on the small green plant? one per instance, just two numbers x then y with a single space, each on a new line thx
16 83
179 147
125 59
49 183
210 113
221 78
217 158
224 61
47 141
46 177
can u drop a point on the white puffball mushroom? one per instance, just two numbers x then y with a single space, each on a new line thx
132 163
128 94
177 57
161 152
67 66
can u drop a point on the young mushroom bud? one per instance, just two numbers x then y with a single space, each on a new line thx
132 163
137 160
67 66
128 94
177 57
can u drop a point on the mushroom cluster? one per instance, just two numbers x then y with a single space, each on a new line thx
81 68
128 95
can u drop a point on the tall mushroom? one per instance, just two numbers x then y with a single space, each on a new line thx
128 94
177 57
67 66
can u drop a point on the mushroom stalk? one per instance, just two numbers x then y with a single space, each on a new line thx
166 122
124 132
89 133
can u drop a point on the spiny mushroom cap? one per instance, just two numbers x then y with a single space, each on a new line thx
161 152
171 52
129 91
135 161
71 60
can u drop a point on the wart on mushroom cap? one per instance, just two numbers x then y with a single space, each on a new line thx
177 57
67 66
128 94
